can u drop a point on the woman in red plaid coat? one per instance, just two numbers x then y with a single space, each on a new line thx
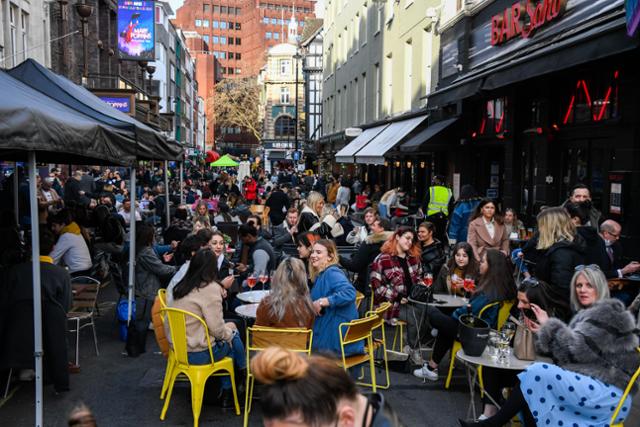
394 272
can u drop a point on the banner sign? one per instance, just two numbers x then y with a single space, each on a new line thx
633 15
120 103
136 30
523 18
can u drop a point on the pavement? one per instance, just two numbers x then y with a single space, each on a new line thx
124 391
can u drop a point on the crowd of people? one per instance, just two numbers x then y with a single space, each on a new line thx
318 242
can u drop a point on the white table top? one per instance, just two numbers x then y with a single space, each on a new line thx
444 300
515 364
247 310
252 296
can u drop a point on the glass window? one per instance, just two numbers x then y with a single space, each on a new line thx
285 126
230 55
230 40
205 8
238 40
285 67
265 20
216 24
223 25
238 71
267 36
223 40
198 23
238 55
238 26
223 9
222 55
285 97
216 9
280 21
216 40
206 39
274 21
276 36
205 23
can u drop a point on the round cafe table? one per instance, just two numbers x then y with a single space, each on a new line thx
439 300
247 310
252 297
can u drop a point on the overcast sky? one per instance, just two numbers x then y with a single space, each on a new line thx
175 4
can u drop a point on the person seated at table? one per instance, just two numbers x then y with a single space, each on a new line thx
312 218
200 224
285 232
256 254
202 211
595 356
71 249
495 284
180 226
315 391
256 220
305 242
125 212
359 234
288 305
432 256
334 299
225 215
486 230
462 264
200 293
530 291
185 251
511 222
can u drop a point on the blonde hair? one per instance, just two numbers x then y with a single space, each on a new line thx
332 253
313 199
554 225
596 279
289 290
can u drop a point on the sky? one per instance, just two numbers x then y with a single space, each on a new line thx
175 4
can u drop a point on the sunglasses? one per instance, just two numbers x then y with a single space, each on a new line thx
582 267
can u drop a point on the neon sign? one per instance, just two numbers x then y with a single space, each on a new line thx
524 18
597 107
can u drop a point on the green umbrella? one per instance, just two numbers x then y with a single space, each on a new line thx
224 161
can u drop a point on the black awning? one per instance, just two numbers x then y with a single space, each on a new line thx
31 121
414 143
597 43
150 144
455 92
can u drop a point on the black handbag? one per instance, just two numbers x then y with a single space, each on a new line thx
421 293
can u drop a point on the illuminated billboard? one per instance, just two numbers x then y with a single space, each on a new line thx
136 30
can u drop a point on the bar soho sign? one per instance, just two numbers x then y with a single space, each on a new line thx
523 18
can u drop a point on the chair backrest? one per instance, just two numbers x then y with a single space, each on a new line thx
487 307
178 330
162 296
358 329
504 312
85 296
158 325
359 298
294 339
380 311
627 390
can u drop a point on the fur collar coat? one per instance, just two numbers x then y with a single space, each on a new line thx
600 341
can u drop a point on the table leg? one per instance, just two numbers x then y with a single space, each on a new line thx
472 375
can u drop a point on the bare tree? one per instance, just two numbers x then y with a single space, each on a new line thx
236 103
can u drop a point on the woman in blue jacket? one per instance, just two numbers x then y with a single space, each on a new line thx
334 299
495 284
462 211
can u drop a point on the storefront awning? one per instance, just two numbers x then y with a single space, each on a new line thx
465 88
375 150
415 142
346 155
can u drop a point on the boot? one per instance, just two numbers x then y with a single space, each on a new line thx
226 399
241 382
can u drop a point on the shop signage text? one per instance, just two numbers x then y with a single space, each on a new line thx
523 18
120 103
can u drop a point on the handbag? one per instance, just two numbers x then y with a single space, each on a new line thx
421 293
523 347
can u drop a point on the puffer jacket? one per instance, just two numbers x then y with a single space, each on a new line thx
151 273
360 261
387 280
600 342
558 264
433 258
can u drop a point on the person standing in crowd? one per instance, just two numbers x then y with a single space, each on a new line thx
334 300
250 190
288 305
278 203
344 193
48 197
56 182
87 183
71 249
558 250
360 262
609 252
389 201
462 211
439 202
495 284
285 232
332 190
359 234
433 257
594 357
580 193
73 192
125 212
486 230
200 293
315 391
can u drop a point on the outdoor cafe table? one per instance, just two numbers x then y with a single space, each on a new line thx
247 311
472 363
439 300
252 297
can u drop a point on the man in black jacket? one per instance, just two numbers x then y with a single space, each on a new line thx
285 233
366 253
278 203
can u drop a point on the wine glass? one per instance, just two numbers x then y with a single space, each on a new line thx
263 278
509 330
469 285
251 281
503 349
454 286
428 280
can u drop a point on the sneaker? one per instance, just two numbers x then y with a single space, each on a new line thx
426 373
482 417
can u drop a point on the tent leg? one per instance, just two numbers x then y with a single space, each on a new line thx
166 191
37 301
132 246
16 189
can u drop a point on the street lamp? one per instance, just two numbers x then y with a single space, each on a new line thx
150 70
143 66
84 11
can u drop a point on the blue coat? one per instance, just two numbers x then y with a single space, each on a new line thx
333 284
459 220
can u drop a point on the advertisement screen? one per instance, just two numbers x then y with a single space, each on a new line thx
633 16
121 103
136 31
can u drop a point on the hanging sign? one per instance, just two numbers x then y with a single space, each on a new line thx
523 18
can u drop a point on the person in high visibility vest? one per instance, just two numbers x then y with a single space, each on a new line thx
439 202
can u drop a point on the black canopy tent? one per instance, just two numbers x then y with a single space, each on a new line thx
150 144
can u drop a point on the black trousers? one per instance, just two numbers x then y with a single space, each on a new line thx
447 328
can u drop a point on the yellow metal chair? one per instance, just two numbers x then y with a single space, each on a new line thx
171 359
359 298
399 326
503 315
197 374
259 338
355 331
627 390
382 342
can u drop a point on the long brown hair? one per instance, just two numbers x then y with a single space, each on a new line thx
497 283
471 268
289 291
477 213
391 245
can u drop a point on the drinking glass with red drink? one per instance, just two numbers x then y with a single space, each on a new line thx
252 281
263 278
428 280
469 285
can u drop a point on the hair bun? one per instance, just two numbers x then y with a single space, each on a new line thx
277 364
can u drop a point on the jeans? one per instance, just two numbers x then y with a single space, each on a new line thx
220 350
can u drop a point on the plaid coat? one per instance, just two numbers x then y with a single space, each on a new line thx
387 280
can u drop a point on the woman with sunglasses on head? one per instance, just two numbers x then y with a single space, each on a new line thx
530 291
595 356
314 391
494 284
288 305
